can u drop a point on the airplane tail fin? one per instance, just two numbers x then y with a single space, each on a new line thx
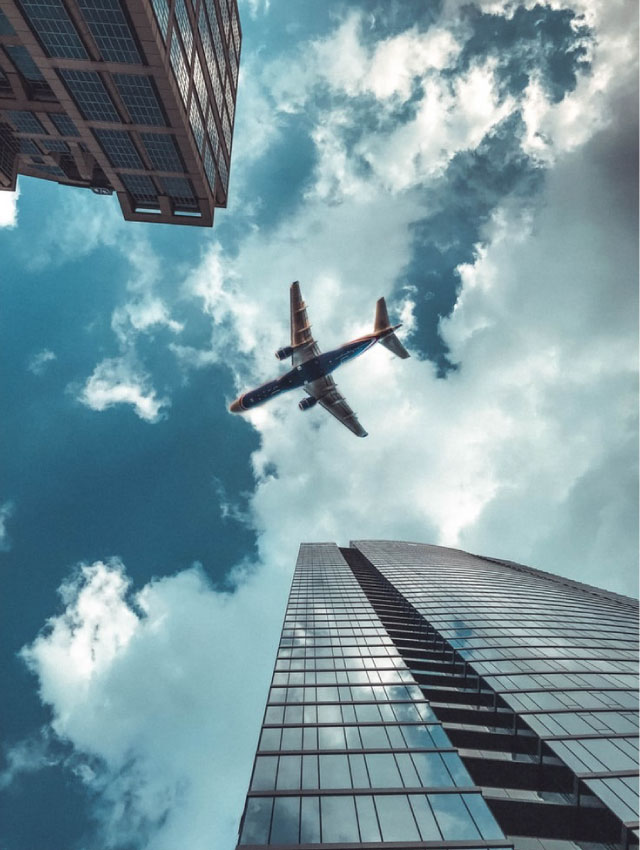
390 341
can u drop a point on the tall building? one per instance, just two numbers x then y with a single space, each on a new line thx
426 697
134 97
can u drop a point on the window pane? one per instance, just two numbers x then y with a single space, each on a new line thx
383 771
292 738
373 737
452 816
309 771
90 95
424 817
358 771
274 714
289 773
310 738
396 819
54 28
334 772
293 714
328 714
270 739
395 736
482 816
255 829
417 736
264 775
110 30
367 819
406 711
310 821
286 820
338 819
367 713
408 772
457 769
431 769
331 738
353 738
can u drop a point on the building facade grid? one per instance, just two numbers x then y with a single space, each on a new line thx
425 697
105 65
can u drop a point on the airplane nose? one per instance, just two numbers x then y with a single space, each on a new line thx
235 406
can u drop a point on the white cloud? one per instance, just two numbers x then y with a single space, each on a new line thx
119 380
83 223
9 208
28 756
491 459
151 693
38 363
6 512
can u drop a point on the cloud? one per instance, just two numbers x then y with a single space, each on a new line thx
149 691
6 512
492 458
119 380
38 363
9 208
144 310
85 222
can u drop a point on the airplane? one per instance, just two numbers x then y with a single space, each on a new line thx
312 370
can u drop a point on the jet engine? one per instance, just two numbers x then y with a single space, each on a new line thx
307 402
283 353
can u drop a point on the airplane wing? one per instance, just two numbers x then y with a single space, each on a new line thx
328 395
304 345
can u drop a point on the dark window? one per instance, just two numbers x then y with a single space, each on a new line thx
141 188
25 122
5 26
110 29
162 152
54 145
27 146
180 191
23 61
119 148
139 96
63 124
54 28
90 95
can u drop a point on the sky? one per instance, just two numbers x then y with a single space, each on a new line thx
476 164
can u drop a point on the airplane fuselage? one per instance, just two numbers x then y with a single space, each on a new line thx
307 372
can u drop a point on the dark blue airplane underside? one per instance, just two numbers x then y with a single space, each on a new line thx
306 373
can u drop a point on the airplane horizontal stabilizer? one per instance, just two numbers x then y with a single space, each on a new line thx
395 346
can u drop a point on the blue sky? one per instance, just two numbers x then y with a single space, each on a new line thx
475 164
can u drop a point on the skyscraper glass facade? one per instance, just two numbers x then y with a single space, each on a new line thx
424 697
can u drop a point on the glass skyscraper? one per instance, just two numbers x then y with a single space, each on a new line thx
134 97
426 697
